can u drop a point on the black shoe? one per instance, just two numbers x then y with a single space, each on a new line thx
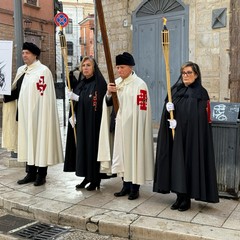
28 178
133 195
93 186
82 184
122 193
177 203
39 181
185 205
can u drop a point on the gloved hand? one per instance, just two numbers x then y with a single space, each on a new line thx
73 96
169 106
72 121
172 123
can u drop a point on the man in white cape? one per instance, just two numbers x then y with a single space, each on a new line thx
37 129
130 154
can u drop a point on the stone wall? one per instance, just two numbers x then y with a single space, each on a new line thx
119 37
208 47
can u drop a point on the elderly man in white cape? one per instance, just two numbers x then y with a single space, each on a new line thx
33 118
128 149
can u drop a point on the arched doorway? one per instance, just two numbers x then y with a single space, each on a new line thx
147 46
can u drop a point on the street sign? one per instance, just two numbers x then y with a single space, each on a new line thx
61 19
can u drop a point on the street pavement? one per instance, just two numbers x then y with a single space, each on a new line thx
147 218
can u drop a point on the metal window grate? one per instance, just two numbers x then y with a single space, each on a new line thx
32 2
40 231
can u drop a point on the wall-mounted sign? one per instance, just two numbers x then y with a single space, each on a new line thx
6 50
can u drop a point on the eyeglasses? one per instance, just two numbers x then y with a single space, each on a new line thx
187 73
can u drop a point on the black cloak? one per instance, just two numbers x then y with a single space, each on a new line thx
187 163
88 111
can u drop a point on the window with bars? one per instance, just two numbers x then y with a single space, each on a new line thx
69 27
70 48
32 2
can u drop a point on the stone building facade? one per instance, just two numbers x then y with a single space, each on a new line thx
209 45
76 12
87 35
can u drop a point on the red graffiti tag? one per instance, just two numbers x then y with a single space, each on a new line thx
142 100
41 86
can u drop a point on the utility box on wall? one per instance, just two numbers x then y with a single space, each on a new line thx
226 140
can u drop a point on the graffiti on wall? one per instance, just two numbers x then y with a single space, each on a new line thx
225 112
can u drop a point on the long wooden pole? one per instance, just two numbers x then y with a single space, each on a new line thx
107 51
63 44
165 45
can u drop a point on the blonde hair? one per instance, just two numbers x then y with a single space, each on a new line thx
85 59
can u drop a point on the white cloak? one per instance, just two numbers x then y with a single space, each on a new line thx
132 153
9 123
39 138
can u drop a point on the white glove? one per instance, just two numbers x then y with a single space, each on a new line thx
172 123
169 106
73 96
72 122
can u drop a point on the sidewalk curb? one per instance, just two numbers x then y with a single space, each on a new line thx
114 223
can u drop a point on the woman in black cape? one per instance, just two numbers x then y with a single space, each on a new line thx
89 88
185 165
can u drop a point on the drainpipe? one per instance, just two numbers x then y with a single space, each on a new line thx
18 30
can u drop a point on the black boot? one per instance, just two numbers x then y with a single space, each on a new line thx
178 202
134 193
40 180
122 193
94 185
30 177
185 204
41 176
82 184
125 190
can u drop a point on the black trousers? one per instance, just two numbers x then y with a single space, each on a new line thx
33 170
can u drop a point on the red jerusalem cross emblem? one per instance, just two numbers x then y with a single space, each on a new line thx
94 101
142 100
41 86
